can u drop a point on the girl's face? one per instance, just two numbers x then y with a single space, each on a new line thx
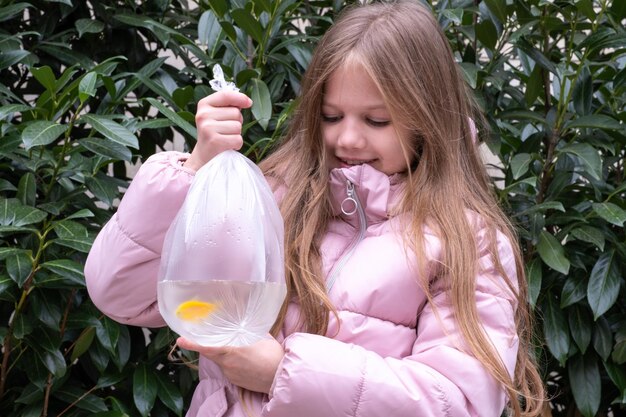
356 124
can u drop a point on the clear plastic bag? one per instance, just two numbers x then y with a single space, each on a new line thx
221 280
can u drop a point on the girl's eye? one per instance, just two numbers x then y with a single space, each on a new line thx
330 119
378 123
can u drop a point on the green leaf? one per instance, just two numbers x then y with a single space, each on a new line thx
583 92
585 376
619 352
604 284
144 389
580 324
220 7
519 164
41 133
69 229
589 234
552 253
7 12
574 290
10 58
81 244
123 348
7 210
610 212
555 329
80 214
27 189
618 376
175 118
107 148
487 34
262 102
470 73
598 121
46 309
46 346
82 343
45 76
602 338
88 26
19 267
589 156
68 269
170 395
301 53
536 55
24 325
81 399
248 24
87 86
209 30
534 276
103 188
28 215
498 8
112 130
108 333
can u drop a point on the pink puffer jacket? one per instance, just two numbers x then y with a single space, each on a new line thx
392 356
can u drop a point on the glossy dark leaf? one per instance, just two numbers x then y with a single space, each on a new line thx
83 343
68 270
552 253
574 290
244 20
144 389
588 157
610 212
589 234
534 275
580 325
556 330
585 376
170 395
27 189
112 130
262 102
19 267
604 284
82 399
602 338
42 133
108 332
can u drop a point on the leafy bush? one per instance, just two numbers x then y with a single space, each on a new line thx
90 88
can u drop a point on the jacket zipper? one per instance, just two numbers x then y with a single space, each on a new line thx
351 199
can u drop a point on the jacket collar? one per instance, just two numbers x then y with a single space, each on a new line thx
377 192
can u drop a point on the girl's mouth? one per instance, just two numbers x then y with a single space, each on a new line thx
352 162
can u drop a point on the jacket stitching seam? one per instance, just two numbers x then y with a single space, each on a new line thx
128 236
361 388
369 316
444 399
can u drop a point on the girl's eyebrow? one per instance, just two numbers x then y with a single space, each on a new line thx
373 106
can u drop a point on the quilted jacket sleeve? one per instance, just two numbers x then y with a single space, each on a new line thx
122 266
320 376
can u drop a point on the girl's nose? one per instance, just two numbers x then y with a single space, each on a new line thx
350 136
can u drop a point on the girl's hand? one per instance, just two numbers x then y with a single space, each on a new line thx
251 367
219 122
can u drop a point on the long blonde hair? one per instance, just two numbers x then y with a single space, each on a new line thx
403 49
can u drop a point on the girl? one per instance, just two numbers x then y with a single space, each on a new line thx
406 292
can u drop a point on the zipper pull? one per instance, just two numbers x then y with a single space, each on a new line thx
349 205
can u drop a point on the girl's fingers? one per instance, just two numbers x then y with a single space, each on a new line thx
219 113
225 127
227 99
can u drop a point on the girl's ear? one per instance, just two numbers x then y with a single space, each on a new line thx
473 130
